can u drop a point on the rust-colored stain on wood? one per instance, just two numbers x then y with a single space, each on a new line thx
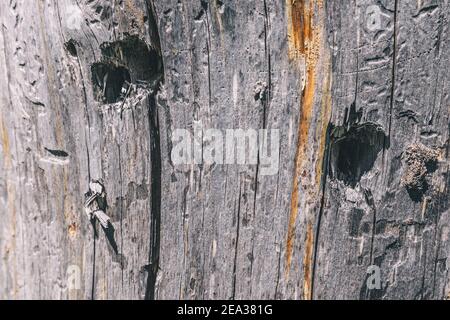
304 43
307 262
5 144
73 228
300 28
305 34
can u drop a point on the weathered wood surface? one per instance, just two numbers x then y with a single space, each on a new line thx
362 106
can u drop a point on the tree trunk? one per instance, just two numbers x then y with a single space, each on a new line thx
94 91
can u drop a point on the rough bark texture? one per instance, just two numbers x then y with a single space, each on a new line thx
363 180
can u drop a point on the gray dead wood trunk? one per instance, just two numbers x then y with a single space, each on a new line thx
94 90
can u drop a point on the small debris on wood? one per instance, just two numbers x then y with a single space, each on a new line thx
95 203
260 91
420 161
